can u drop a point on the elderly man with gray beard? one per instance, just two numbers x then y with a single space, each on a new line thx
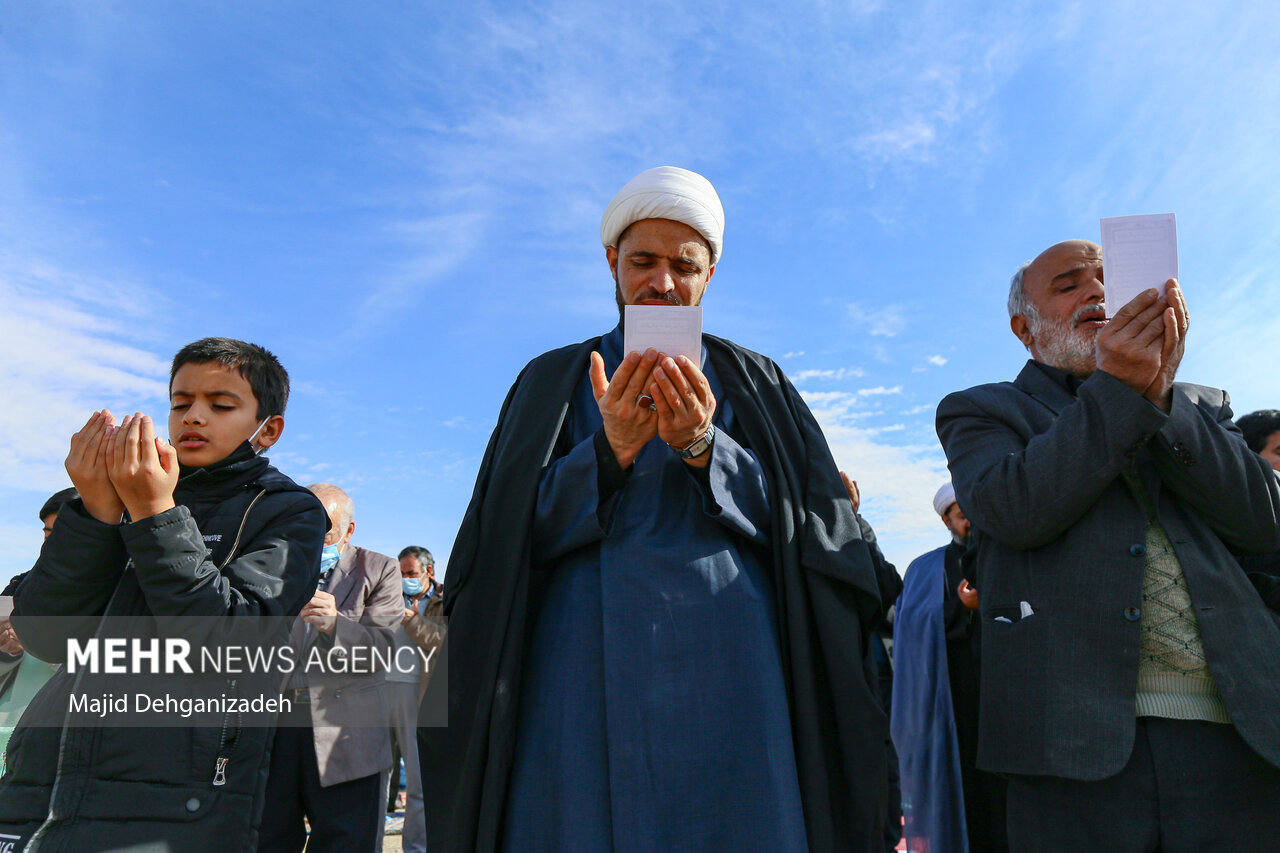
1131 672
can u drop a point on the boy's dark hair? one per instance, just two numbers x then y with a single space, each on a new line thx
262 370
1257 426
423 555
54 504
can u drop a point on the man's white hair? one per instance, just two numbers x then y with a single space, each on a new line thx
328 492
1018 302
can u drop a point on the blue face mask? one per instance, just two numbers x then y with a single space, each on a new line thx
411 586
328 558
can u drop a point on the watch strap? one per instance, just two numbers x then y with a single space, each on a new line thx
699 446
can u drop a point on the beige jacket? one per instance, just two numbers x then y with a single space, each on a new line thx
349 709
427 630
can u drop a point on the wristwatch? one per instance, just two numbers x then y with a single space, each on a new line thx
699 446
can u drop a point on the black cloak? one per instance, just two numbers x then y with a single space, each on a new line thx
825 580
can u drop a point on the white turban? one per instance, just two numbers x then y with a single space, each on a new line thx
667 192
945 497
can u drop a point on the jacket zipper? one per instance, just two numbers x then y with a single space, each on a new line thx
33 846
225 748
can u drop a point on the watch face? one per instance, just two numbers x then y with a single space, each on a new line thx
700 446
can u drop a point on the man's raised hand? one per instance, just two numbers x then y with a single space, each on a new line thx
1176 321
87 466
628 423
851 486
685 404
321 611
143 468
1130 346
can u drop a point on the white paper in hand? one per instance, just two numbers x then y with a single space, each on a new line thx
1138 252
673 329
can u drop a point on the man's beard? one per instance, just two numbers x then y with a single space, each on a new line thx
1066 345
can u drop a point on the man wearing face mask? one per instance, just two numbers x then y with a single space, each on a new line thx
421 631
331 751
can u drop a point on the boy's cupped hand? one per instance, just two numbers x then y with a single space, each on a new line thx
87 466
143 468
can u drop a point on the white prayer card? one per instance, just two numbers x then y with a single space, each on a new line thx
1138 252
673 329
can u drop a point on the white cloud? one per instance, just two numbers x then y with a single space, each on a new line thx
897 484
68 346
879 391
937 360
466 423
835 375
886 321
796 354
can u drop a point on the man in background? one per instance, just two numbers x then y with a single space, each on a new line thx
1262 433
935 707
330 754
405 683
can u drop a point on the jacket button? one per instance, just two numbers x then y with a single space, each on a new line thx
1133 614
337 694
1137 550
193 805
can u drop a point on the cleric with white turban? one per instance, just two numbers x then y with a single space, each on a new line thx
944 498
666 192
649 540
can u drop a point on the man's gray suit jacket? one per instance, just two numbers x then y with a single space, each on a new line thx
349 710
1038 473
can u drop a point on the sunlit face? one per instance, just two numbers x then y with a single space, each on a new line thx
660 262
1064 287
1271 449
212 412
411 567
955 521
50 519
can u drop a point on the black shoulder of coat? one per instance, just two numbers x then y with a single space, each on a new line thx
273 480
762 362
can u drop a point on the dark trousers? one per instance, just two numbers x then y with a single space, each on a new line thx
393 786
1189 786
345 818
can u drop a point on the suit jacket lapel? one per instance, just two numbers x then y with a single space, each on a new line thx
1037 384
343 580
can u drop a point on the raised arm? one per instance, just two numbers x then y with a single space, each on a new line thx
1027 489
734 489
1203 458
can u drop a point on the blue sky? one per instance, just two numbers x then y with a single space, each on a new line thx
402 200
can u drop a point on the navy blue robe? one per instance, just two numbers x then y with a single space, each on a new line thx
654 712
922 722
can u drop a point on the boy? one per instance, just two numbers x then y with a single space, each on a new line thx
203 527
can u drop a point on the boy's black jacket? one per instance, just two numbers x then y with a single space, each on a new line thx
107 788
